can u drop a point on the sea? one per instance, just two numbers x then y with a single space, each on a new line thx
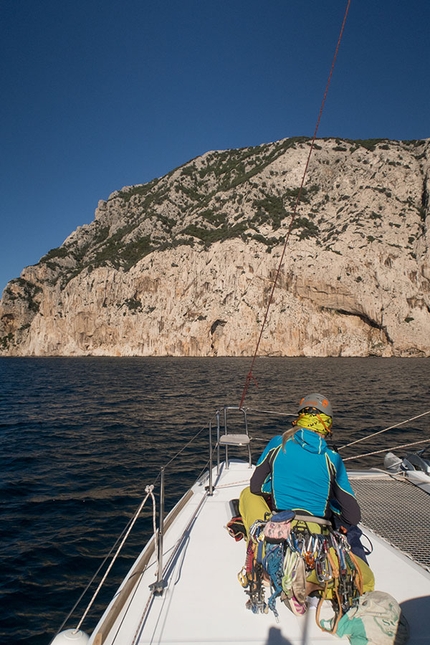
82 438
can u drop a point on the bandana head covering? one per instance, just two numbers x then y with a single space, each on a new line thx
314 420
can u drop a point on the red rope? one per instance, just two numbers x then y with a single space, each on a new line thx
250 375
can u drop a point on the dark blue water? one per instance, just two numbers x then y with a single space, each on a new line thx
81 439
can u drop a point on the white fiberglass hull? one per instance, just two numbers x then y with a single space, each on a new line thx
203 602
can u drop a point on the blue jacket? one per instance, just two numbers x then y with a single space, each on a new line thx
306 477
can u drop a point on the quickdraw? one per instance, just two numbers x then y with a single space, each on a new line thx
324 557
251 575
345 585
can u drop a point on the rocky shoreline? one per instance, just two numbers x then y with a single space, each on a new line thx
184 265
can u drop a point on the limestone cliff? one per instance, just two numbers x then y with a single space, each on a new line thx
184 265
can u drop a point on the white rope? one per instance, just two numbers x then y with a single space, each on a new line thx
149 493
396 425
377 452
157 542
154 526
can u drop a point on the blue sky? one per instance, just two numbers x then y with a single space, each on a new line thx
100 94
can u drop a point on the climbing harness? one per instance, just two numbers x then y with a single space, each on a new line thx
311 552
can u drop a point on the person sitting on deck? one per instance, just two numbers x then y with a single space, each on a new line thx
298 471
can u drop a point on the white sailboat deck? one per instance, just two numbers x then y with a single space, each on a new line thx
203 602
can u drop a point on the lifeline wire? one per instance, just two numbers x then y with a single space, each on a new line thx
183 447
396 425
149 493
250 375
126 533
377 452
95 575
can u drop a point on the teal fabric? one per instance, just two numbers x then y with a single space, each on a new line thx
304 471
354 629
377 620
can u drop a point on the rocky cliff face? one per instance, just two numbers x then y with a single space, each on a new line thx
184 265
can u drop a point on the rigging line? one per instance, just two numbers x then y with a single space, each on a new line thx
140 573
106 558
396 425
175 456
157 543
149 493
250 375
377 452
125 533
274 412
